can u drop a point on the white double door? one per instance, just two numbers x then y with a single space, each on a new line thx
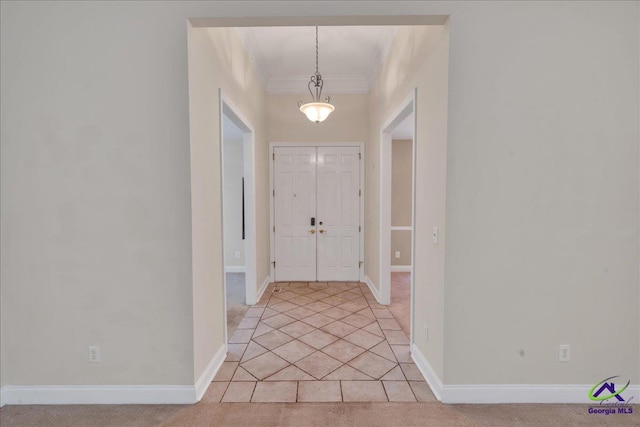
317 213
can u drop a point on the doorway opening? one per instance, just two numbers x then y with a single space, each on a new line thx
397 212
238 213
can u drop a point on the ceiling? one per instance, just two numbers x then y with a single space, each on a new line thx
349 56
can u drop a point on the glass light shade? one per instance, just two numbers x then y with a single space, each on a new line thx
317 111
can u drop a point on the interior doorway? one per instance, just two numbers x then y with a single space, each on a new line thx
397 212
317 213
238 213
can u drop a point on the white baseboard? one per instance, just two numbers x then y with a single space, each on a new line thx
211 370
235 269
263 287
506 393
400 268
372 288
113 394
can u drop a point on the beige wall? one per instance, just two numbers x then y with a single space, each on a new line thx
401 203
233 173
348 123
423 52
216 60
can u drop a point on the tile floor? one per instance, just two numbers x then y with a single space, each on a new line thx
318 342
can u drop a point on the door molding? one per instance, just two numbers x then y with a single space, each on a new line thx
407 107
273 145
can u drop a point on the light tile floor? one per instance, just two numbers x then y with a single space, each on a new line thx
318 342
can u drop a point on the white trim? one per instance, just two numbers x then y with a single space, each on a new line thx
272 146
401 228
212 368
235 269
400 268
263 287
372 288
506 393
2 395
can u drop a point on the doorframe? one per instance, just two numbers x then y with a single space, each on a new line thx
407 107
272 146
233 113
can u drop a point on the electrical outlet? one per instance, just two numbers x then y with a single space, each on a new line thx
237 254
565 353
94 354
397 254
426 333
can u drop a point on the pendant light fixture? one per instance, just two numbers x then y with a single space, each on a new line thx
316 110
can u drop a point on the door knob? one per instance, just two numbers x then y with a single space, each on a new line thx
321 231
312 231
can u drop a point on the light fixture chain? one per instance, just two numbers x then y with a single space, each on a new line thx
316 49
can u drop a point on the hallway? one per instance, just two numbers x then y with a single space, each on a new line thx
318 342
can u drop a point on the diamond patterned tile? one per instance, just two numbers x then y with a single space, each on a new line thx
279 321
301 300
347 373
283 306
317 295
297 329
348 295
333 300
226 371
394 375
286 295
318 320
290 373
383 349
253 350
262 329
302 290
374 329
402 353
265 365
339 329
363 339
269 312
214 392
317 306
242 375
357 320
353 308
300 313
294 351
336 313
343 350
318 364
318 339
422 391
366 312
382 313
372 364
273 339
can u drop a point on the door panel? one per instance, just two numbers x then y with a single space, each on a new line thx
295 205
338 208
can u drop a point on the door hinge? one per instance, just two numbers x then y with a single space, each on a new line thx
274 193
360 264
273 156
274 264
274 228
359 193
359 229
360 156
